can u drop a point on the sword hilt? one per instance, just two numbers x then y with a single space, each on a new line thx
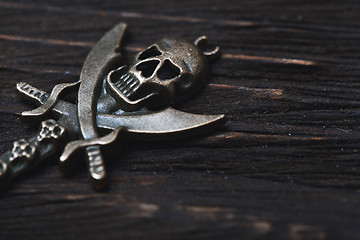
37 95
93 153
97 171
27 153
47 102
21 157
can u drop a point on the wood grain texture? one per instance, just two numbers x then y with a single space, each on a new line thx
285 166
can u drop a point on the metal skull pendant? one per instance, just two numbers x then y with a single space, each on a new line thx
170 70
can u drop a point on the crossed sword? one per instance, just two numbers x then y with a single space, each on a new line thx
84 119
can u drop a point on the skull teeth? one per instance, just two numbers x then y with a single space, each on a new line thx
127 84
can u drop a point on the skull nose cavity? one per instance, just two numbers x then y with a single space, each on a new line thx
151 52
147 68
127 84
168 71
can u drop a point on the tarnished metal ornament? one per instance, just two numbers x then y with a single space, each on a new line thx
135 99
22 152
168 71
50 131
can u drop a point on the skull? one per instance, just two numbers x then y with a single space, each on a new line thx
22 151
50 131
166 72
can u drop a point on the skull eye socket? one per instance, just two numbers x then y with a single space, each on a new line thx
147 68
151 52
168 71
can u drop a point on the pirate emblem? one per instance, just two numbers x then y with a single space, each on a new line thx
134 99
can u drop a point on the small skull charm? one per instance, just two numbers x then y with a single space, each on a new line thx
50 131
22 152
170 70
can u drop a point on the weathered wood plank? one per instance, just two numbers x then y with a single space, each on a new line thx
285 166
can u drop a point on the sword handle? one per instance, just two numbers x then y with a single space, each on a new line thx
38 96
25 154
96 167
93 154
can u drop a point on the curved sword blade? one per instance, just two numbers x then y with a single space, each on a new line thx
163 124
166 124
98 63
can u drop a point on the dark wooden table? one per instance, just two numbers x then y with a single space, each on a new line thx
285 166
